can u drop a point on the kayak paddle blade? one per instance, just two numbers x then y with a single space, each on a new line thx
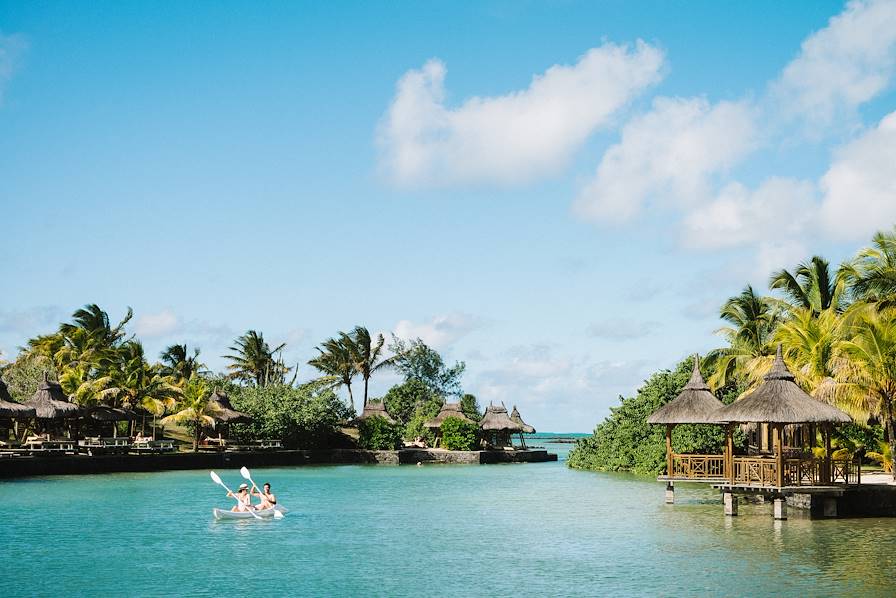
215 478
245 473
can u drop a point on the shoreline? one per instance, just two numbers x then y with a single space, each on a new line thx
99 464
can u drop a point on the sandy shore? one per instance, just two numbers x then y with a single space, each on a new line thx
878 478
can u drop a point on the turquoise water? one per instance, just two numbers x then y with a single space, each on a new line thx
503 530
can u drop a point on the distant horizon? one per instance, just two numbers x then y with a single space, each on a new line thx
561 197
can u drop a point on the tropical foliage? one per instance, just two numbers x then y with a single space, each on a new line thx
377 434
458 435
253 360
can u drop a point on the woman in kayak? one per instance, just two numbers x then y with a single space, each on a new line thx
243 497
268 500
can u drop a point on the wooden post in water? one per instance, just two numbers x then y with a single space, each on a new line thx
779 455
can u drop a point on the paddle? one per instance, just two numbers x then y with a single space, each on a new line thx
244 471
217 479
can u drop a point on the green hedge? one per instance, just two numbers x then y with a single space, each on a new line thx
377 434
458 435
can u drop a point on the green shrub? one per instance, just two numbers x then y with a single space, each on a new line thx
377 434
458 435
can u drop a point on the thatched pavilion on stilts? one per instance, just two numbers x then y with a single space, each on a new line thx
447 410
497 427
695 404
524 427
12 412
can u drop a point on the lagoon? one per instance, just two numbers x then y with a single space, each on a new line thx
534 529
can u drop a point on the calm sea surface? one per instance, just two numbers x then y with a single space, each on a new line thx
504 530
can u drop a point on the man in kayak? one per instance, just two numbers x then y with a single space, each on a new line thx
244 499
268 500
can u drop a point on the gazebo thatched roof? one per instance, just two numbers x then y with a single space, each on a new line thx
226 413
49 402
9 408
496 418
515 416
447 410
780 400
371 409
695 404
104 413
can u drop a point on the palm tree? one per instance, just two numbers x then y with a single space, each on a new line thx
872 275
337 363
753 319
811 286
96 322
367 355
179 364
867 382
195 408
254 361
813 344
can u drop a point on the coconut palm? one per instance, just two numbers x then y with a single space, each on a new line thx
179 364
867 380
872 274
336 362
811 286
753 319
254 361
367 354
195 409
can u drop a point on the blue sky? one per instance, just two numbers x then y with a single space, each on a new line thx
560 194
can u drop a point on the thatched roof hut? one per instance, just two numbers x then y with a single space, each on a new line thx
225 412
11 409
496 418
515 416
780 400
695 404
447 410
104 413
49 402
371 409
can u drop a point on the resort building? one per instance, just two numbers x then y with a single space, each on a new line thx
373 408
497 427
447 410
524 427
11 413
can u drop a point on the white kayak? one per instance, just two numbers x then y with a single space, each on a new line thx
264 513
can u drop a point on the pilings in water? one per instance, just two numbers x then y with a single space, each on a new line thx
780 509
670 493
730 501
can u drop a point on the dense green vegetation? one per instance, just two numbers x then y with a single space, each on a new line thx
837 330
458 435
377 434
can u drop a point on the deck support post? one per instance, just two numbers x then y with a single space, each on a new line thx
729 453
779 455
780 508
670 492
826 471
730 504
669 450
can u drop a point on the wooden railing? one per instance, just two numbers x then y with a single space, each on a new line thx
763 471
698 467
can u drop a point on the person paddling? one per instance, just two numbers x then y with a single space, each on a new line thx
267 498
243 497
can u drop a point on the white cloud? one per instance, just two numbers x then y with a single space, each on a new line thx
669 153
513 138
621 329
843 65
156 325
779 208
11 49
860 186
440 331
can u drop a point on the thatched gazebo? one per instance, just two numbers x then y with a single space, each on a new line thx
111 415
498 426
51 405
447 410
225 413
371 409
525 428
695 404
780 402
11 410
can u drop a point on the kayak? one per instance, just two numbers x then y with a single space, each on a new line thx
264 514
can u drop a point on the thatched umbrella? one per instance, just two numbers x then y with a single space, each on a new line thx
498 424
447 410
779 401
695 404
526 428
372 408
106 414
226 414
11 409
